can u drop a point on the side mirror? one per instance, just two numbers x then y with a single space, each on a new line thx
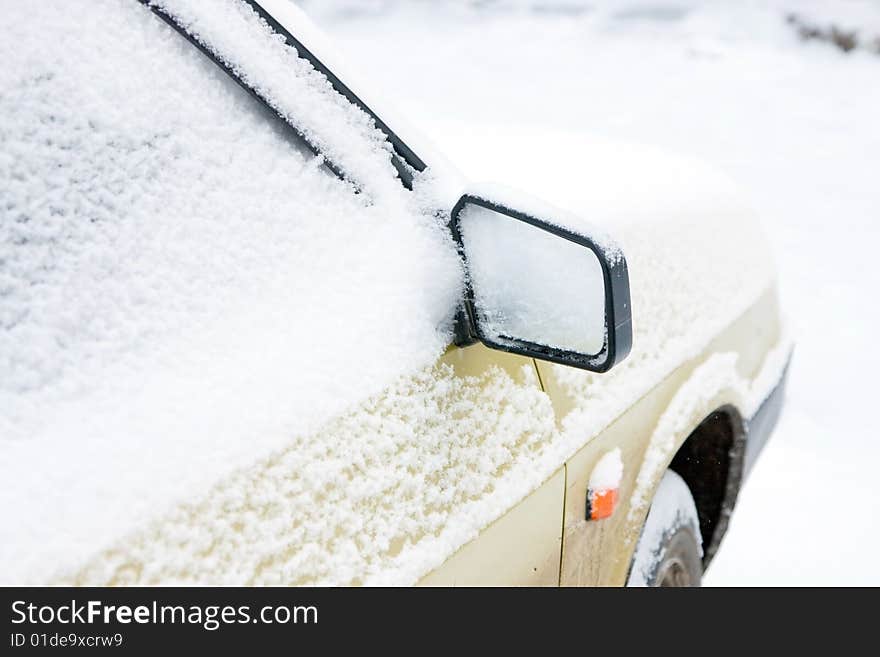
541 289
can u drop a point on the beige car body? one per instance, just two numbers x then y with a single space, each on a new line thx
545 540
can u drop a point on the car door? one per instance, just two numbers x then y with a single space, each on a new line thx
501 414
507 412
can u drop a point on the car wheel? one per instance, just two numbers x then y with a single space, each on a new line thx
670 550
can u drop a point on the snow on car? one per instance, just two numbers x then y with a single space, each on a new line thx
240 344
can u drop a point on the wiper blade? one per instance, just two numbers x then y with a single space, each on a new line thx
404 160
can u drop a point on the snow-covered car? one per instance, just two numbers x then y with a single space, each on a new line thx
255 329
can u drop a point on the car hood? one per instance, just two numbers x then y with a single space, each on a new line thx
696 253
610 183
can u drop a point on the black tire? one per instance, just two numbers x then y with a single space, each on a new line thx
669 553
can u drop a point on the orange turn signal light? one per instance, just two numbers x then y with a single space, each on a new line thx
601 503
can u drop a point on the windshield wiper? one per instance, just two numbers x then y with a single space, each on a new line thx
403 158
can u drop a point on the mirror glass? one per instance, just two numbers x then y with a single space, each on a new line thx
530 284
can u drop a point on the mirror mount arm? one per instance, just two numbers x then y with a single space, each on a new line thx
462 335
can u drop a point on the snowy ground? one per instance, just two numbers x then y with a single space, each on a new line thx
794 124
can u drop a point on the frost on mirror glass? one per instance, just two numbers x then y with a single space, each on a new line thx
532 285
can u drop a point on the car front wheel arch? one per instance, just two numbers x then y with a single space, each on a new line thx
710 461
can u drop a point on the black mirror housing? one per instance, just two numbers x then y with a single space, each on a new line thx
475 323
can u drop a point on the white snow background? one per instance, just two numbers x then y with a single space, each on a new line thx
794 123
